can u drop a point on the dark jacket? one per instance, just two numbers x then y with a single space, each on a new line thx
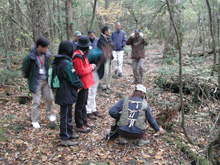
96 57
30 68
115 110
83 68
69 80
137 45
74 44
94 43
106 45
119 40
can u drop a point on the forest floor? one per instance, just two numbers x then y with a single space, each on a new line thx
22 144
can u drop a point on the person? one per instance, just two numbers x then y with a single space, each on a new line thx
77 34
66 94
84 70
93 39
95 57
106 45
137 43
119 40
35 68
131 114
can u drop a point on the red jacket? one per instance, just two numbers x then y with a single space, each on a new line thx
83 69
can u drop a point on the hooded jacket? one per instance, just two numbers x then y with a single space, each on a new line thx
69 80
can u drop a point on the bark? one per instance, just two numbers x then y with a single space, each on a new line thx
12 14
39 19
60 20
69 17
93 14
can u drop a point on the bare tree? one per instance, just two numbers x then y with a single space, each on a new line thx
69 17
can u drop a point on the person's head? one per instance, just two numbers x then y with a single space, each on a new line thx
77 34
83 44
91 34
139 91
137 33
106 31
118 26
42 45
66 48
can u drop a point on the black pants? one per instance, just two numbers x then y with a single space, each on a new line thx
66 125
80 108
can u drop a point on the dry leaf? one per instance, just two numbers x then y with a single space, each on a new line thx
159 155
145 156
19 141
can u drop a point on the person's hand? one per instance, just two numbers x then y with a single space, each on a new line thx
161 131
93 66
79 90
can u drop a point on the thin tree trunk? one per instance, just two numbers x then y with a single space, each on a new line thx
93 14
60 21
12 13
69 30
180 71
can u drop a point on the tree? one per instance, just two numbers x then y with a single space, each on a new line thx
69 17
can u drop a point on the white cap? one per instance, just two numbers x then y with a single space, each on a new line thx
141 88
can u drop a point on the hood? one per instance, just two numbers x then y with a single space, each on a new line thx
60 57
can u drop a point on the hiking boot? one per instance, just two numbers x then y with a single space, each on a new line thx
91 116
68 143
123 141
119 74
143 142
97 114
83 129
36 125
89 125
74 136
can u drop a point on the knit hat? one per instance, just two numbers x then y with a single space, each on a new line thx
141 88
77 33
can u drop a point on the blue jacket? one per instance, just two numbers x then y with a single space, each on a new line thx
74 44
119 39
94 43
69 81
115 110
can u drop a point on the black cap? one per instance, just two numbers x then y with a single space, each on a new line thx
83 42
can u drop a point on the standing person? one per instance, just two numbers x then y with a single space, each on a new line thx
93 39
106 45
119 40
77 34
131 114
84 70
137 43
66 95
35 68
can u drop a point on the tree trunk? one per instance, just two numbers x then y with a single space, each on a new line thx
12 13
93 14
60 21
69 17
39 19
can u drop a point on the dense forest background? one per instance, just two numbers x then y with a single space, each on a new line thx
183 85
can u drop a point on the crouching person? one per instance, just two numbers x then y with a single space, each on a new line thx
131 114
66 94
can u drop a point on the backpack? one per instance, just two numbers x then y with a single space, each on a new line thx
53 79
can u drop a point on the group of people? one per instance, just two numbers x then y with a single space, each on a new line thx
80 65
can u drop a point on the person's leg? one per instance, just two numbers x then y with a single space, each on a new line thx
134 67
70 122
84 114
94 92
108 83
48 96
36 97
106 74
120 62
64 119
115 62
141 69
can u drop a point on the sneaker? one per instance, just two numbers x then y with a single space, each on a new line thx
119 74
91 116
74 136
83 129
68 143
143 142
52 118
97 114
36 125
123 141
89 125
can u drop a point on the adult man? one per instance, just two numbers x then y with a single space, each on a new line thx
77 34
119 40
106 45
35 68
93 39
131 114
95 57
137 43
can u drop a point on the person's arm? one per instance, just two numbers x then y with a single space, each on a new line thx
151 119
129 41
80 69
115 110
72 76
26 66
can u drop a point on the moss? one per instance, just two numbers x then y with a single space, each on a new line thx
168 140
189 152
203 161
